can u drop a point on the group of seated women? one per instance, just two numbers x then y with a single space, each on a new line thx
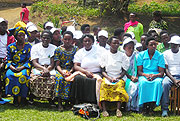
91 74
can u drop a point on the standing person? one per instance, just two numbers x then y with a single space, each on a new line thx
63 57
150 70
96 29
134 26
113 65
164 39
5 40
119 32
172 72
18 67
24 14
158 22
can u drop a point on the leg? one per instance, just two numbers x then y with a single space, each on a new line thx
60 108
167 83
118 112
105 113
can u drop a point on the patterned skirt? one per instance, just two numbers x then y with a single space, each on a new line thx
42 87
62 87
114 92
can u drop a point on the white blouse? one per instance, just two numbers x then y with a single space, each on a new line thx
114 63
90 60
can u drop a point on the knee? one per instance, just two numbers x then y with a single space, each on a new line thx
166 82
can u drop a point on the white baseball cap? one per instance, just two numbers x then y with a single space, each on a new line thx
49 24
103 33
126 41
54 29
77 34
32 28
2 19
175 39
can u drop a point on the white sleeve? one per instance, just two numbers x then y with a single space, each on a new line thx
78 57
103 60
125 62
34 53
165 57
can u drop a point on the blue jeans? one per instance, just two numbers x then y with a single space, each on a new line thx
167 84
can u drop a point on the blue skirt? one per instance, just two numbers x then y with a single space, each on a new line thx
150 91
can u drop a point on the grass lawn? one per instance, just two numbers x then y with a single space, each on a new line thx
43 112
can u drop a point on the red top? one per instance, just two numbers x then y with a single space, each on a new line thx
26 14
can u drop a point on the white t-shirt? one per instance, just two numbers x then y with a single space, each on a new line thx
3 46
89 60
43 54
173 61
114 63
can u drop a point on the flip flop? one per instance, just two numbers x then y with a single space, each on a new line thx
3 101
105 113
118 113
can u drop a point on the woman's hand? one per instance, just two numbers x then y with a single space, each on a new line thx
113 80
89 74
66 73
153 76
45 72
134 79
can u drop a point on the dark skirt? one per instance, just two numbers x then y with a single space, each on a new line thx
83 90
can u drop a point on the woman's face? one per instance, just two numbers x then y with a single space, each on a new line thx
114 44
46 39
87 30
152 45
87 43
67 40
57 36
132 17
165 38
3 28
129 49
174 48
21 37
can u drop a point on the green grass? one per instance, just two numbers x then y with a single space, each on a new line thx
43 112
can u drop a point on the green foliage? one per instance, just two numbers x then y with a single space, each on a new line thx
167 8
64 9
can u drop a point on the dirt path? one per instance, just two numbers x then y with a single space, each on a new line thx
11 14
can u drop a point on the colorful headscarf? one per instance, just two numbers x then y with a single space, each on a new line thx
15 31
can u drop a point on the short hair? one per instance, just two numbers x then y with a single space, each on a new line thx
113 37
84 26
47 31
87 35
157 13
128 35
134 14
151 31
163 32
24 4
148 40
68 32
118 31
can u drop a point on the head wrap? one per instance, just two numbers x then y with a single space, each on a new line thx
15 31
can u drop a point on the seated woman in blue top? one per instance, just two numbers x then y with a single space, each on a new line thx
151 66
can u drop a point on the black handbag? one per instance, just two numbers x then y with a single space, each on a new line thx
87 111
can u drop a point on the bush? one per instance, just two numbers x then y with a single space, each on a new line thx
167 8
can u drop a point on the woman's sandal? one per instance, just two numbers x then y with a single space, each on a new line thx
118 113
105 113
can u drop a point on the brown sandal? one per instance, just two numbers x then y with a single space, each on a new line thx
105 113
118 113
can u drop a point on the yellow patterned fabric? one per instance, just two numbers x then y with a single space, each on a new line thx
113 93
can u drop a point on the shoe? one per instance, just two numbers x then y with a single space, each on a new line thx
164 113
105 114
118 113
